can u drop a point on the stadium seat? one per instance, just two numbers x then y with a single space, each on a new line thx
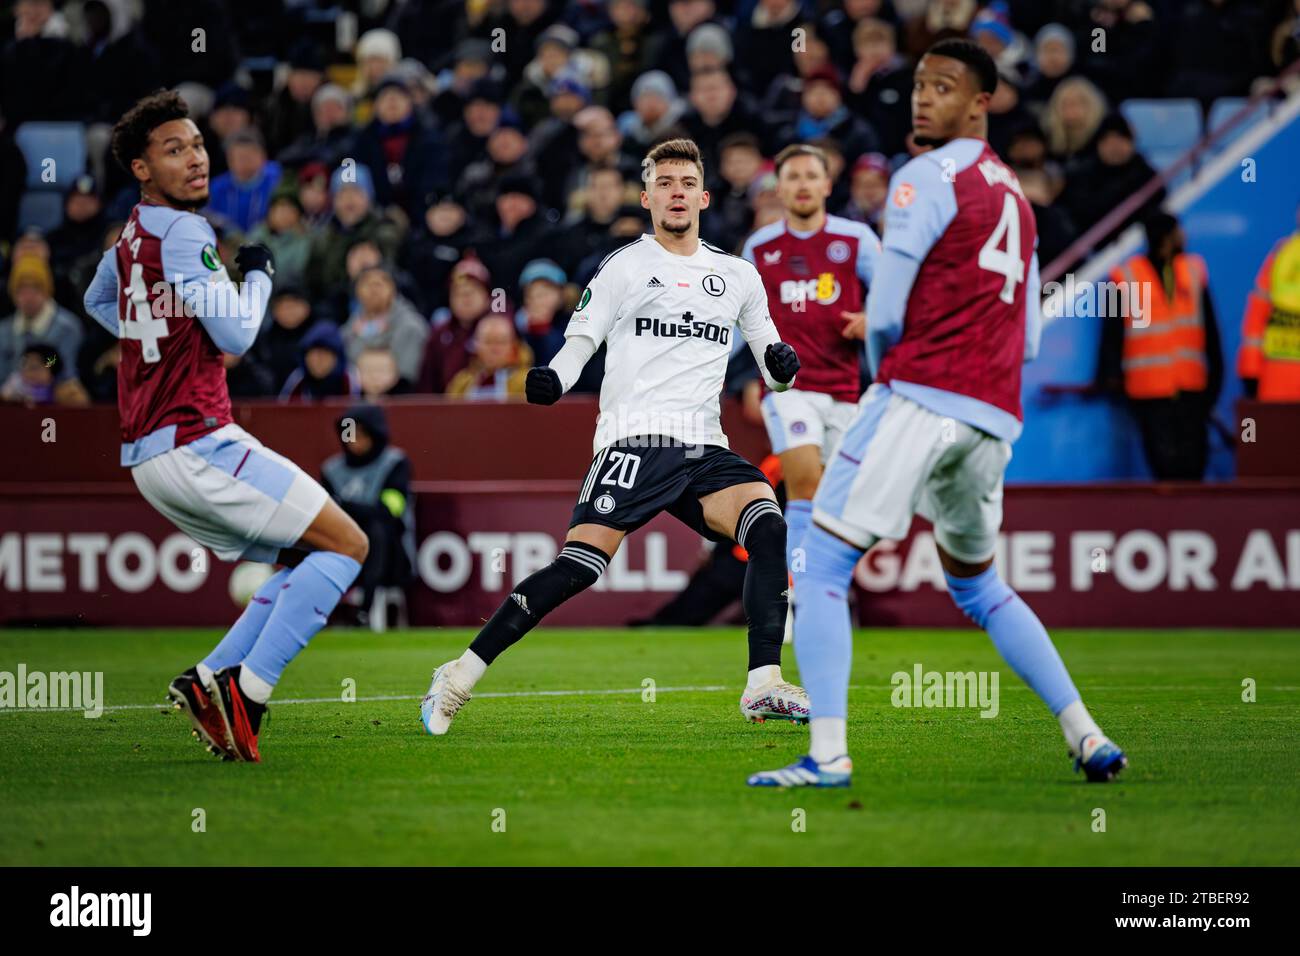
1224 109
1164 130
65 143
44 210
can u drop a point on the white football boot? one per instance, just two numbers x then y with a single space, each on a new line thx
445 698
775 700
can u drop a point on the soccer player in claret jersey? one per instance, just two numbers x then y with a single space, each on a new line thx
816 269
164 292
951 316
666 306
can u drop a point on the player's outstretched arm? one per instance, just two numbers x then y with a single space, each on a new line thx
101 295
231 314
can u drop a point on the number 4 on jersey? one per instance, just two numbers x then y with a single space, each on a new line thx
1005 262
143 327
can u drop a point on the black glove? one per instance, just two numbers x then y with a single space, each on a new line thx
543 386
255 258
781 362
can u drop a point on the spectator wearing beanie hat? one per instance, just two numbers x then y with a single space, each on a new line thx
554 59
992 30
542 318
329 137
448 349
518 232
656 109
323 371
407 159
353 221
36 317
1109 172
1053 60
377 53
507 153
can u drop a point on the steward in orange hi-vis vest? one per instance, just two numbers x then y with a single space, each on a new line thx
1162 351
1269 359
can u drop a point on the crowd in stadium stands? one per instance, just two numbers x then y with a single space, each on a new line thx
437 191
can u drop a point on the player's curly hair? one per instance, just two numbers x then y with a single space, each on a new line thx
131 133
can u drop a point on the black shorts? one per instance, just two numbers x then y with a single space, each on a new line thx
633 480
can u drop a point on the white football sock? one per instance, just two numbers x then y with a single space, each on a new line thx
205 673
470 667
253 687
829 738
761 676
1077 723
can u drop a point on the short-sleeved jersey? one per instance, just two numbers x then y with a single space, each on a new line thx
667 321
960 212
171 376
810 279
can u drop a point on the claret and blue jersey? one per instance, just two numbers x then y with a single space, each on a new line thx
163 291
954 312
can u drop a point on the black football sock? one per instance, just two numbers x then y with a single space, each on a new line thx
574 569
761 531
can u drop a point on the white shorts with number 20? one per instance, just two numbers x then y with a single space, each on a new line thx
899 458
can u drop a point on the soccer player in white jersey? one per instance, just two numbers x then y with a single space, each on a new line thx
951 317
164 292
666 306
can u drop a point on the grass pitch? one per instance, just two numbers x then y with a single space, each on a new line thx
580 769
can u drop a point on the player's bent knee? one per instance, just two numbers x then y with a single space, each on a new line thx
978 597
358 546
760 529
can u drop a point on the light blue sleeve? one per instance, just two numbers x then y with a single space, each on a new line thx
920 206
868 255
1033 311
101 297
887 303
747 253
231 315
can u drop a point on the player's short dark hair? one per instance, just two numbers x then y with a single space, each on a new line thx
131 134
802 149
683 149
975 57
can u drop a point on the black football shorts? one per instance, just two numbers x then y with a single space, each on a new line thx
631 481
